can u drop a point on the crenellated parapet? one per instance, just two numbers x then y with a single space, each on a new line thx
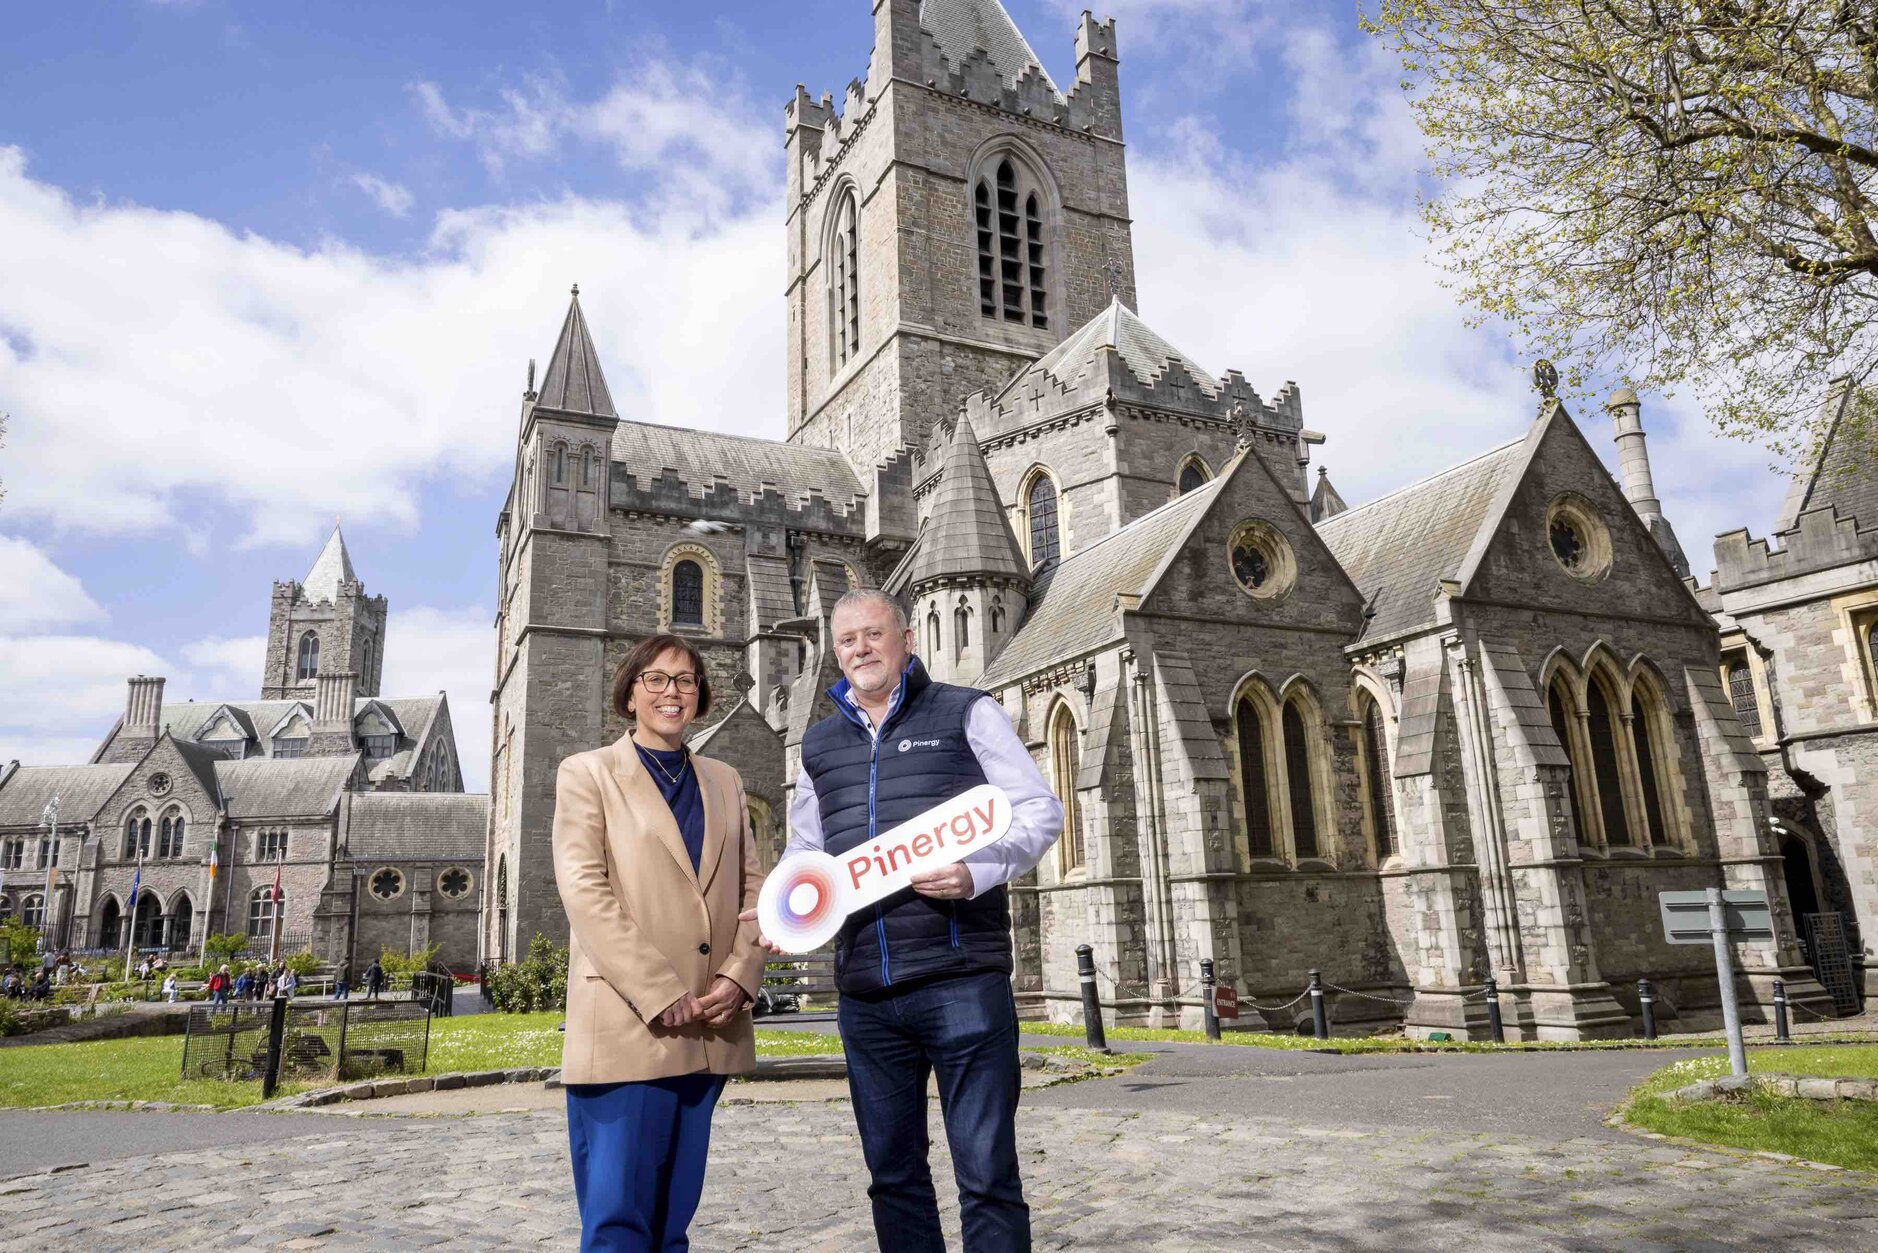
1820 540
760 504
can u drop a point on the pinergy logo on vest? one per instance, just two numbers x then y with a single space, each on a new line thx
906 745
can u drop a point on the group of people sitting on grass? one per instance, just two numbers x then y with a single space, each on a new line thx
18 985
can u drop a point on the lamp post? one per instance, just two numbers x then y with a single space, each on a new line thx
50 816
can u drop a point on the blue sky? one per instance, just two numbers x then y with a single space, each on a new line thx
266 265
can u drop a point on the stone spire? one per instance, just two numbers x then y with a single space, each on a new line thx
1634 464
966 534
961 27
574 383
331 568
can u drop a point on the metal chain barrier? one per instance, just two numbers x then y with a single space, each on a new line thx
1386 1000
1104 976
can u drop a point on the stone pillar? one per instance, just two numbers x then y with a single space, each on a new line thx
332 714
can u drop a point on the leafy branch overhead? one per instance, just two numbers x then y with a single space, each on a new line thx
1680 193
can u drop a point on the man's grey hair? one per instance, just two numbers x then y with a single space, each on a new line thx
872 596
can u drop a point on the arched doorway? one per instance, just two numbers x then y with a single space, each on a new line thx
110 920
147 929
1802 894
182 921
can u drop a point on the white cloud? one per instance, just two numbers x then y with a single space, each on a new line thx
63 687
220 667
35 595
448 650
147 336
393 198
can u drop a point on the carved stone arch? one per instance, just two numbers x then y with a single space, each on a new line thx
1375 735
1366 679
1032 175
1561 662
1604 709
1644 669
840 255
1253 713
1601 656
1196 463
713 585
1063 734
1310 804
1660 762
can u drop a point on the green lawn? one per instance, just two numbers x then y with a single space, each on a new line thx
149 1069
1842 1133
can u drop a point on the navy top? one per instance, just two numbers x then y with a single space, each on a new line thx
678 784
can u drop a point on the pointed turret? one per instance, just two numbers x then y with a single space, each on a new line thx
965 581
574 383
1639 488
1326 501
961 27
332 567
966 534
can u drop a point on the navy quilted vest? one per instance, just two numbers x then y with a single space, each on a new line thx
865 787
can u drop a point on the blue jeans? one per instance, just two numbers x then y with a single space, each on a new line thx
964 1029
639 1152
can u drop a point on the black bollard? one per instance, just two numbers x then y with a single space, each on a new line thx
1091 1004
276 1031
1496 1030
1206 991
1320 1022
1780 1012
1646 1000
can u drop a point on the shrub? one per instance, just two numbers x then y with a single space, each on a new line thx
19 945
537 982
220 949
303 963
396 963
10 1016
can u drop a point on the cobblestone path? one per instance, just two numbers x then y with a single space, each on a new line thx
790 1178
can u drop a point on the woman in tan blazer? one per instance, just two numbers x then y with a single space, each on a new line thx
654 858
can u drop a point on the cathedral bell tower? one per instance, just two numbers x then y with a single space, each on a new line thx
951 222
323 622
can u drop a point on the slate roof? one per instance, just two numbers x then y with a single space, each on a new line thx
1141 349
261 787
966 531
646 449
1844 473
1072 605
1396 549
574 383
81 791
959 26
331 568
186 719
418 826
772 599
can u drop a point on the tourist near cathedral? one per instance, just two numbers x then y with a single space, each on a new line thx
1467 730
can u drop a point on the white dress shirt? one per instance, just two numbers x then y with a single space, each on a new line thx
1036 813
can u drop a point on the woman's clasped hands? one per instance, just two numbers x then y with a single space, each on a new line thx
714 1009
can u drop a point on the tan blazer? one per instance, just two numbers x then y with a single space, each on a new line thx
644 928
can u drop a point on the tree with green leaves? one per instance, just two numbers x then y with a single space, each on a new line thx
1684 194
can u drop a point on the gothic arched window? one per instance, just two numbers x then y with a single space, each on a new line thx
1601 725
1643 730
1377 774
845 283
932 634
1192 474
1741 693
1298 779
560 463
586 467
309 664
1063 763
1560 707
997 617
687 594
1012 248
263 909
961 630
137 836
170 836
1252 780
365 671
1040 504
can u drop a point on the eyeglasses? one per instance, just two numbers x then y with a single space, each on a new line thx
658 681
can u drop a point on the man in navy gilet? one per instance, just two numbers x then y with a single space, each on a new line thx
925 976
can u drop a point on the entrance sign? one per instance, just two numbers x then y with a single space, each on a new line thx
810 894
1225 1002
1685 916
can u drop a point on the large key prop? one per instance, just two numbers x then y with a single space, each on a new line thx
810 894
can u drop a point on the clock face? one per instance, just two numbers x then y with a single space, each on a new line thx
159 784
1249 564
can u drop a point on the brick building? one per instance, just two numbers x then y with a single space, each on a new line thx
1470 728
354 801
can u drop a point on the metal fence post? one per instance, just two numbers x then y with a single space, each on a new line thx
1320 1022
1496 1030
1646 1000
1206 990
1781 1032
339 1061
1091 1003
276 1032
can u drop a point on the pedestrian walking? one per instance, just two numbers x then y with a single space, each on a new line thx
342 985
218 987
374 980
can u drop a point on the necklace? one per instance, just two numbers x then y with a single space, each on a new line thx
647 755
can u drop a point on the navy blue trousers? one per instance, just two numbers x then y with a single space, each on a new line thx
964 1030
639 1151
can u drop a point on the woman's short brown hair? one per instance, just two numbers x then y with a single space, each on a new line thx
640 660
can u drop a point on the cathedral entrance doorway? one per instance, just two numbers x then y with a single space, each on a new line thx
147 928
109 921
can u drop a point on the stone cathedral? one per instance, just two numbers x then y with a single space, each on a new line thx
1471 728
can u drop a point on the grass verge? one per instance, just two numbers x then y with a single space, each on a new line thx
1387 1044
149 1068
1840 1133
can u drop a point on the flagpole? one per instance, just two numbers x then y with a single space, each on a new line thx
130 918
208 914
46 915
273 948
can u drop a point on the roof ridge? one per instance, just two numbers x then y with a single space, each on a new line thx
1211 486
748 439
1426 479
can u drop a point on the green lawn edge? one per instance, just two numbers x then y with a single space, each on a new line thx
1835 1133
1400 1044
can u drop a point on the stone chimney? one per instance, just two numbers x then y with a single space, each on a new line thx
1633 460
332 713
143 713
